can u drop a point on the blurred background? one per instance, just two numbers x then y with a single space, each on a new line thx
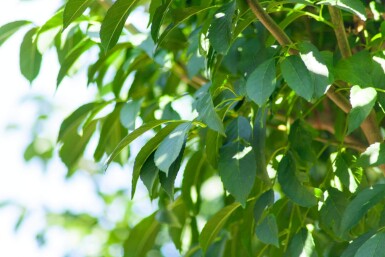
43 213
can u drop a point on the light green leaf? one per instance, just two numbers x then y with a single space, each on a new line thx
7 30
297 76
373 247
114 21
215 225
148 149
205 107
302 244
374 155
167 181
316 65
142 238
220 31
171 146
362 101
237 169
353 6
73 9
261 82
129 113
291 186
30 58
132 136
72 57
267 230
360 205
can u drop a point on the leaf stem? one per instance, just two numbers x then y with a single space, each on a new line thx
339 30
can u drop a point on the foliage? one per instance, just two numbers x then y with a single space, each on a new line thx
288 111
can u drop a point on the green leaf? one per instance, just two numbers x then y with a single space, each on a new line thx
360 205
220 31
353 6
291 186
362 101
205 107
237 169
142 238
374 155
73 9
302 244
351 250
267 230
167 181
7 30
215 225
352 71
114 21
158 18
373 247
148 149
72 57
316 65
180 15
332 210
264 201
297 76
171 146
75 144
262 82
77 117
132 136
129 113
239 129
30 58
149 173
349 176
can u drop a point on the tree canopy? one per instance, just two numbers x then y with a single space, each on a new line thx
282 101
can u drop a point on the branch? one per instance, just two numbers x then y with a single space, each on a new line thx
369 126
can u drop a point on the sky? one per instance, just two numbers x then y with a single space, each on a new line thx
27 183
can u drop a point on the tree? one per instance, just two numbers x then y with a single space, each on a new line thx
288 100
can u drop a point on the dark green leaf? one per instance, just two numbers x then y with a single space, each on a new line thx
114 21
142 238
302 244
373 247
221 28
7 30
267 230
158 18
374 155
261 82
291 186
170 147
239 129
149 173
30 58
148 149
237 169
215 225
73 9
297 76
362 101
360 205
351 250
349 176
264 201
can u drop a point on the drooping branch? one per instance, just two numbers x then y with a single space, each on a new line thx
369 126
